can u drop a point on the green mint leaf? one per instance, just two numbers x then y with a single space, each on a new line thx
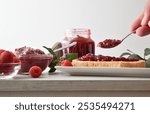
71 56
50 51
147 51
125 54
147 63
55 60
53 69
136 56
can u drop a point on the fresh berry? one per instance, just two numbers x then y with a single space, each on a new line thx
66 63
6 57
35 71
1 50
13 54
16 60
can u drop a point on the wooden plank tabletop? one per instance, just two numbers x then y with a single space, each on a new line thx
64 82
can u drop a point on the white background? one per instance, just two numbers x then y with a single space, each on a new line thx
43 22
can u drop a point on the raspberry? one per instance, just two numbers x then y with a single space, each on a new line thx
66 63
35 71
6 57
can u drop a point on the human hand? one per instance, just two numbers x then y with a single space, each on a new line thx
142 23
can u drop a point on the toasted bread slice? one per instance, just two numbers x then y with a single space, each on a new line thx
140 63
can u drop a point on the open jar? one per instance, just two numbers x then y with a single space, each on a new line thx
84 44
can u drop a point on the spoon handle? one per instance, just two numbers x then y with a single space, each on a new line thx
70 45
128 35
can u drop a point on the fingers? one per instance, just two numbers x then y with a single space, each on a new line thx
143 31
137 23
146 19
142 23
149 23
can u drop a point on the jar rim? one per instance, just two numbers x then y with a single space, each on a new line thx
78 31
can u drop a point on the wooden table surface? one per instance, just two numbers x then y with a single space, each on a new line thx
61 84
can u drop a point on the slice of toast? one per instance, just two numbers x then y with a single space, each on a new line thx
139 64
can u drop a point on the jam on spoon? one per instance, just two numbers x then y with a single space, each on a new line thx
110 43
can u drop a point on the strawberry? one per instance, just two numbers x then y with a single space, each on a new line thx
13 54
1 50
16 60
35 71
6 57
66 63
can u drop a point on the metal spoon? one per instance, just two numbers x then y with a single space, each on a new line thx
128 35
110 43
67 46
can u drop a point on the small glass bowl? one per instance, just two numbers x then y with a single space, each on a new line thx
41 60
9 70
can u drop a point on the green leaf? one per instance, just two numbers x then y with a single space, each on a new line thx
53 69
125 54
136 56
147 51
147 64
55 60
71 56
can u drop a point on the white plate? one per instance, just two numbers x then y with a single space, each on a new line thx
95 71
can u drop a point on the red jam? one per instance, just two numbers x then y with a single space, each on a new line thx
109 43
32 57
84 44
92 57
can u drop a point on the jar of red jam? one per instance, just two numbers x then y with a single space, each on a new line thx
84 44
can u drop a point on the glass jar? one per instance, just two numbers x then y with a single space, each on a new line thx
66 41
84 44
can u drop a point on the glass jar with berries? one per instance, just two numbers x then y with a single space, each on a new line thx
82 37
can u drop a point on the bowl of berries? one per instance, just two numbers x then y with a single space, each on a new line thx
9 64
30 57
